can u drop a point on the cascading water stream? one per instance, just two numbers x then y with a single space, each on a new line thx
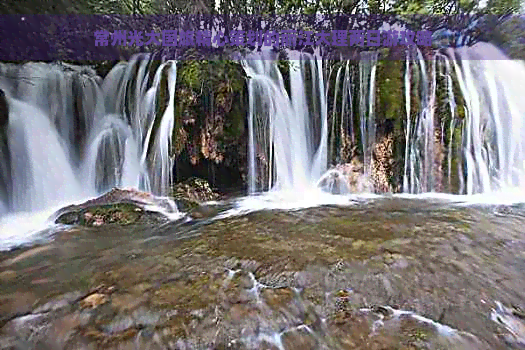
367 95
407 82
446 72
288 134
487 154
41 176
420 136
269 108
71 136
493 135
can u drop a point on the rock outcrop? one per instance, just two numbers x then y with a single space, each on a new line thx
383 165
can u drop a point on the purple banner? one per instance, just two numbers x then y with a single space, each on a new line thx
105 37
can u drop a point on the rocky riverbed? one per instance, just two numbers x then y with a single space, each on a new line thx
389 273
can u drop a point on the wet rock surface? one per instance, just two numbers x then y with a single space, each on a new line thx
387 274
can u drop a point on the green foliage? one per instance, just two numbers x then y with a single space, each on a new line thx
412 7
192 74
503 7
402 7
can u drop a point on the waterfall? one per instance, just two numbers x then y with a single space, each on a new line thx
42 175
420 137
367 95
342 129
117 131
161 166
493 131
446 72
269 110
479 151
490 152
72 134
288 133
408 124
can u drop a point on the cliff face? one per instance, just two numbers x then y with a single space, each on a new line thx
4 148
210 139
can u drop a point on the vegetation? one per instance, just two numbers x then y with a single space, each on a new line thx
147 7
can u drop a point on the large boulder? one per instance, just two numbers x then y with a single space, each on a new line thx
119 206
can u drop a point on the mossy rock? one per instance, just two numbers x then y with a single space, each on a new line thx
185 204
191 193
121 213
122 207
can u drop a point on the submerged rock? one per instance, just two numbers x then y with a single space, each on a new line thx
511 322
351 178
120 206
344 178
203 212
94 300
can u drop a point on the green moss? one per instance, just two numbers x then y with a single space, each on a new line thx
210 109
187 295
192 73
419 335
390 89
122 214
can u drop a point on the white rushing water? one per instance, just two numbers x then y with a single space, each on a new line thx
494 133
288 133
485 157
367 93
72 136
490 152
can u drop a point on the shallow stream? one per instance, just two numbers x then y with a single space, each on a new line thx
375 273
